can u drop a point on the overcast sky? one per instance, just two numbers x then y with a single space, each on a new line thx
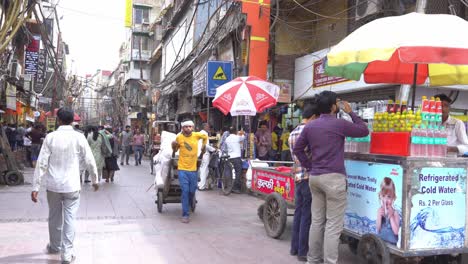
94 31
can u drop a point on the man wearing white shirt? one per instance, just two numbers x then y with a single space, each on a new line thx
61 158
233 143
457 140
206 157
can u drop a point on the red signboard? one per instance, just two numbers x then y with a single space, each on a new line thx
266 182
320 78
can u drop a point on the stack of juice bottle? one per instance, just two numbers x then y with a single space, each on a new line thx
359 145
397 118
429 138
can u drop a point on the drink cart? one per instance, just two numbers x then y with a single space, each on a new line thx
276 185
408 207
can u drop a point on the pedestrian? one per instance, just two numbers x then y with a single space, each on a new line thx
110 163
303 197
233 143
263 141
59 162
205 158
10 132
325 137
138 144
285 150
36 136
20 132
125 140
95 141
222 142
187 142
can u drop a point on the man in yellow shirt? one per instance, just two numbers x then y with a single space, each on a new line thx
187 143
285 152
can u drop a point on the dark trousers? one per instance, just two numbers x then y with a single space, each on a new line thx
237 163
302 219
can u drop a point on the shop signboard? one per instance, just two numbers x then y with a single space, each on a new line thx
320 78
438 208
286 87
218 73
375 199
267 182
32 56
50 123
41 71
11 97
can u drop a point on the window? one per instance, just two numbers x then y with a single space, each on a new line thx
141 15
140 40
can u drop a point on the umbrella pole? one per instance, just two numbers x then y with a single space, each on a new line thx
413 94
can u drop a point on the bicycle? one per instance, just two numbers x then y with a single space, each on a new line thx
221 169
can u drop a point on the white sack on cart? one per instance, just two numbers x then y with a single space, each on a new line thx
162 161
248 175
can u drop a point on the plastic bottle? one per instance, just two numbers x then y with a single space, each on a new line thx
415 142
432 109
424 108
437 152
424 141
438 110
443 141
389 106
430 141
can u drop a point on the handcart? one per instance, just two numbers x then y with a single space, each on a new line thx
406 209
276 185
171 192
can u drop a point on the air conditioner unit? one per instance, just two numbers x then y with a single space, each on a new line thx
366 8
145 21
15 70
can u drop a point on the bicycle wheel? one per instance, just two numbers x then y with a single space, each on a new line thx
227 178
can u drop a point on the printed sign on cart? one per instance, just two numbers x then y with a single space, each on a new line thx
374 199
267 182
438 212
218 73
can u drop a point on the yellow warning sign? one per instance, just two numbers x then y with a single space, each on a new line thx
219 75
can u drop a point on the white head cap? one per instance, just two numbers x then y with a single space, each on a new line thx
188 123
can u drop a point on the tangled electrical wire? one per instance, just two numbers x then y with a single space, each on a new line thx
12 17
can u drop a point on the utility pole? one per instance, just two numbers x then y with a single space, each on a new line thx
54 96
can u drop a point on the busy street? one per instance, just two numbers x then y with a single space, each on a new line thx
120 224
234 131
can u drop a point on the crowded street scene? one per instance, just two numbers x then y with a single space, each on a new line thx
234 131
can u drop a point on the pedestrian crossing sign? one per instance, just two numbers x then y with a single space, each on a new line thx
220 75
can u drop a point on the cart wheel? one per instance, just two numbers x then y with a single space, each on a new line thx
14 178
160 201
274 215
372 250
193 206
260 211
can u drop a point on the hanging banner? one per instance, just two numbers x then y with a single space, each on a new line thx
39 81
438 208
31 56
128 13
11 97
286 88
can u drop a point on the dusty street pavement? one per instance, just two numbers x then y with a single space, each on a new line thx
120 224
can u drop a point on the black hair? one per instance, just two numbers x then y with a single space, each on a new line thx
310 108
65 116
325 102
444 98
127 126
95 132
225 128
232 130
263 123
100 127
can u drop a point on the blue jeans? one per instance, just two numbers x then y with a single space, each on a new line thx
138 153
188 183
302 219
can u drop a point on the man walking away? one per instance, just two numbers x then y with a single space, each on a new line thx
324 137
187 142
303 197
234 142
62 153
125 139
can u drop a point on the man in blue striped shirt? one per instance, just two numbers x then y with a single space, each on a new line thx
303 197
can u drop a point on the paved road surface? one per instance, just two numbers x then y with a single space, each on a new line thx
120 224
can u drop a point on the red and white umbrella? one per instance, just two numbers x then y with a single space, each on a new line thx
245 96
